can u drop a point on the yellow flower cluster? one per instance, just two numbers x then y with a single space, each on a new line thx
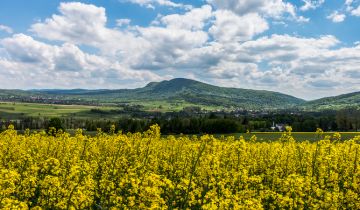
146 171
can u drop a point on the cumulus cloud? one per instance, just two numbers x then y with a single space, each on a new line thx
67 57
172 37
224 44
166 46
336 17
351 8
304 67
311 4
79 23
7 29
32 59
85 24
348 2
151 4
273 8
123 22
141 47
192 20
307 60
349 5
25 49
356 12
277 9
229 27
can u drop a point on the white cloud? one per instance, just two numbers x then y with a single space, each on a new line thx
171 37
336 17
85 24
152 3
34 60
140 47
166 46
229 27
123 22
310 66
193 20
25 49
311 4
356 12
79 23
269 8
302 19
348 2
223 44
351 9
7 29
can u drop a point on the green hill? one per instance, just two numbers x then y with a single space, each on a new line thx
186 92
177 92
209 95
334 103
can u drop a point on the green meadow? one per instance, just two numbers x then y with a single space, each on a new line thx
18 110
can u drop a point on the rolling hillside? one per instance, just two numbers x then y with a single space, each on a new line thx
334 103
177 91
199 93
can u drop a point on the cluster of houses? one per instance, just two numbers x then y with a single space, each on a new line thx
278 127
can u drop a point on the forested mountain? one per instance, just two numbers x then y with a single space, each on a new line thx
188 91
182 92
335 103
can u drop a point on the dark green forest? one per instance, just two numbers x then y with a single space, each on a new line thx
212 123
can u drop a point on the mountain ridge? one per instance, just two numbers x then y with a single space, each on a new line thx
334 102
190 92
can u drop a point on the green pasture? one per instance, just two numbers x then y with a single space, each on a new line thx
168 106
18 110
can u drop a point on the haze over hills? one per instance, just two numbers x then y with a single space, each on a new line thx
185 92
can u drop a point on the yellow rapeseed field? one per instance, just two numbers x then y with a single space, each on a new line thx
146 171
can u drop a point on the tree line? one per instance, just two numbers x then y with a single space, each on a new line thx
343 120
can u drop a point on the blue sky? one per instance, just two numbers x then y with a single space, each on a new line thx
306 48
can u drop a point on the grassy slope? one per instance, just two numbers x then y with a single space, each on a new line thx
337 102
18 110
178 93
